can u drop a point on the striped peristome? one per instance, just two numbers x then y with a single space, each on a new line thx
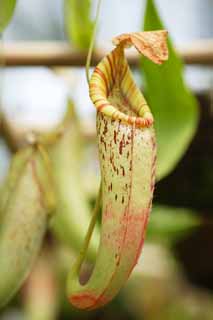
127 153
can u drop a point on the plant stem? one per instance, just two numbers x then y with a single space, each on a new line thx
98 202
92 42
99 197
85 246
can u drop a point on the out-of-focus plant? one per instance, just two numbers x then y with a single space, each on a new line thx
168 224
26 201
40 294
6 11
64 145
159 290
78 24
174 107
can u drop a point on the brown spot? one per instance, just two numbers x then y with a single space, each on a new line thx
121 147
105 128
115 136
103 141
112 161
123 171
130 167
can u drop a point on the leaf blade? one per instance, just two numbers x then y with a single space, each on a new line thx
169 224
6 11
174 107
78 23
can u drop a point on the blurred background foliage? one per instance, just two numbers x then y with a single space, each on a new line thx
6 12
78 23
174 277
174 107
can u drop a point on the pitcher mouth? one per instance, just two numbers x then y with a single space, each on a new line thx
115 93
112 87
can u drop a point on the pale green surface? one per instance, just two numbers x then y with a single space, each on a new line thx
174 107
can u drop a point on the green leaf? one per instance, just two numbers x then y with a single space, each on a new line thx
169 224
78 24
6 11
174 107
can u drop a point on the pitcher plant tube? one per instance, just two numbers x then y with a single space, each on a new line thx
26 201
127 154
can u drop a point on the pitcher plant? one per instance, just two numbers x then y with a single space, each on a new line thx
127 154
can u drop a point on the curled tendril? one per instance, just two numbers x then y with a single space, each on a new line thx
127 153
72 216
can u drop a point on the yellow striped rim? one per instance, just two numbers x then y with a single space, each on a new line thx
114 71
112 87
